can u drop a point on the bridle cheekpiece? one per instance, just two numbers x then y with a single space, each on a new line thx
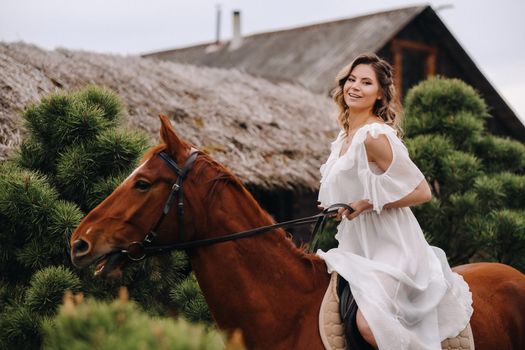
139 250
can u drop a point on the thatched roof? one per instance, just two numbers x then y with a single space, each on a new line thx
304 55
271 135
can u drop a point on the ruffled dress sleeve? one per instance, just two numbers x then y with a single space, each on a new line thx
401 177
325 168
326 197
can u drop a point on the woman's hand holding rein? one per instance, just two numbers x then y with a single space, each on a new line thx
358 206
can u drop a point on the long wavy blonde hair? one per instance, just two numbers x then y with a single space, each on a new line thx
387 108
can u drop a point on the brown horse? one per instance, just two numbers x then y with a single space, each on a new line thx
263 285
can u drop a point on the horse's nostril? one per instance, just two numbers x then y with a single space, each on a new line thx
80 247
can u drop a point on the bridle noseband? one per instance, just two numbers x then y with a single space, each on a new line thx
139 250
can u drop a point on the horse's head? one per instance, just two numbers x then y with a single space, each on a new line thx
135 207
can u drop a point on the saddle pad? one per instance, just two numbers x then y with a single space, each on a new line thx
463 341
330 325
332 332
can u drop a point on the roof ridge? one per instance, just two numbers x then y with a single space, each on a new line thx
420 9
337 21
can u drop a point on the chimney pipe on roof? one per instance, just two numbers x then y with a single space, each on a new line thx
237 38
218 28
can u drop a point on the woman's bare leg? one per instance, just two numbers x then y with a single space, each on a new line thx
364 329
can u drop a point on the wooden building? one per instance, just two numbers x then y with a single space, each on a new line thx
413 39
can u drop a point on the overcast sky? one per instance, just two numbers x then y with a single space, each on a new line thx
492 32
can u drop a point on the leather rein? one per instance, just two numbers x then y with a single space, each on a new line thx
139 250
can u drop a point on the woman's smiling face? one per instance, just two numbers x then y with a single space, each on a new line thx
361 89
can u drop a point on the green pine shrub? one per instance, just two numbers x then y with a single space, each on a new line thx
514 187
33 155
506 236
474 182
82 167
501 154
73 156
102 189
75 174
165 272
36 223
123 325
458 170
438 104
20 328
74 140
63 119
47 288
106 101
193 306
430 150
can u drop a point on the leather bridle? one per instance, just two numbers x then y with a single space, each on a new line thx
139 250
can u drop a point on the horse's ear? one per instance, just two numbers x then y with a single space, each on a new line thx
176 147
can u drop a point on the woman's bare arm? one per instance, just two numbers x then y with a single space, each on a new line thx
380 152
421 194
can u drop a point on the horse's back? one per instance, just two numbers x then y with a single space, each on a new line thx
498 293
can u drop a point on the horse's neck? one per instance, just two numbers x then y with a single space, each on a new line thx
262 279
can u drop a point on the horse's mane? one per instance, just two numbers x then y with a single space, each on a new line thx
224 178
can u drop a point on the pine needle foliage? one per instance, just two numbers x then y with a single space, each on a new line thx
123 325
102 189
439 103
501 154
63 119
47 287
506 236
36 223
187 294
73 156
20 329
476 179
74 139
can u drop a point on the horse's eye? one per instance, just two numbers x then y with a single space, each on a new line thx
142 185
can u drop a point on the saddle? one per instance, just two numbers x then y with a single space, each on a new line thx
338 327
347 311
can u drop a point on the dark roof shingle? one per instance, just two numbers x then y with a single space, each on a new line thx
281 55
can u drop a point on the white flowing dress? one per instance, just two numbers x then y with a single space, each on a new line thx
404 287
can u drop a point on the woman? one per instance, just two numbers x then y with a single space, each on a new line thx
407 295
